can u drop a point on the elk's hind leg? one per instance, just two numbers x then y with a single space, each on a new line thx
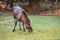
15 23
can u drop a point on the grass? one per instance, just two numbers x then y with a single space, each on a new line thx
45 28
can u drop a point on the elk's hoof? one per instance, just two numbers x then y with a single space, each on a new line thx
20 29
13 30
24 30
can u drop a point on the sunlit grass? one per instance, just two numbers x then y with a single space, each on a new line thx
44 28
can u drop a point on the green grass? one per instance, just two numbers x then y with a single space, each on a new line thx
44 28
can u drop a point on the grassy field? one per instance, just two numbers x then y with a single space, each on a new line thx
44 28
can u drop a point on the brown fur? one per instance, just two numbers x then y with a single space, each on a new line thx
25 20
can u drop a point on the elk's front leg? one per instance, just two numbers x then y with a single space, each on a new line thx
19 25
15 23
23 26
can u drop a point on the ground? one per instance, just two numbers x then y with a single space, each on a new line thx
44 28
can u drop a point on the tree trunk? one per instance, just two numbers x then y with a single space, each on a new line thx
34 7
52 6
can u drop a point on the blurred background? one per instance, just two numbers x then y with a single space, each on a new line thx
35 7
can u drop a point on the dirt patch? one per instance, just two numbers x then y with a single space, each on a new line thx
55 13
